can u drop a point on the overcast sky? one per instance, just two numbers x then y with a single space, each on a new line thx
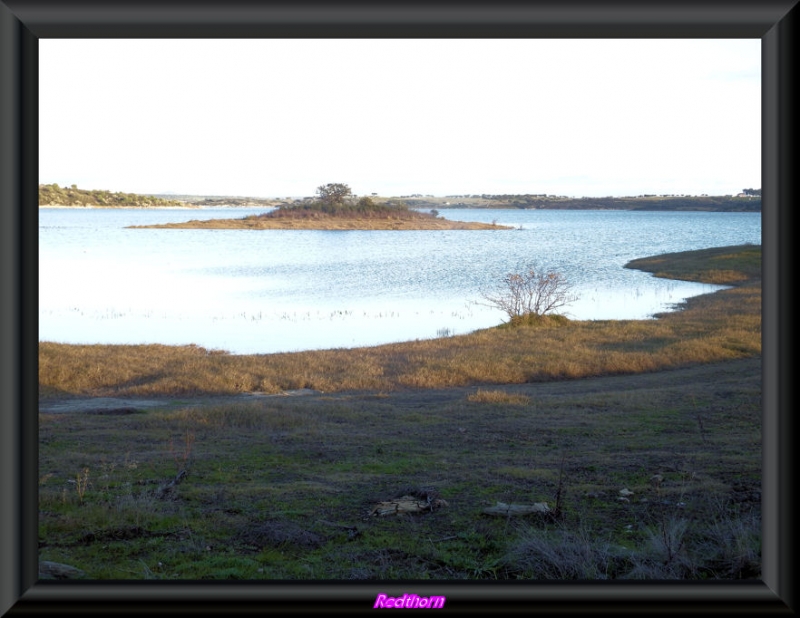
278 118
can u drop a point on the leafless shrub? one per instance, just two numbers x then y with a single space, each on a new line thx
533 292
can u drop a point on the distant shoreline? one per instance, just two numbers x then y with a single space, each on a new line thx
95 207
53 196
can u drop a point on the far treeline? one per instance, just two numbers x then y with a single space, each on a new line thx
747 201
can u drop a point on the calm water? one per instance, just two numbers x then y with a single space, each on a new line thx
275 290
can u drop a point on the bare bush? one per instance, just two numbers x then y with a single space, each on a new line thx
534 292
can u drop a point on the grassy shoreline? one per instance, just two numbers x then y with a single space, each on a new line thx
650 463
709 328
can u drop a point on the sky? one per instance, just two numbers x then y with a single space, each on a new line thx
279 118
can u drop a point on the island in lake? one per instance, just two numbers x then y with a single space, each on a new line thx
336 209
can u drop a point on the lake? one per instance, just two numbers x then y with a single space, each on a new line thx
268 291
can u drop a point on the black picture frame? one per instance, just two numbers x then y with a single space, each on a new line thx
24 22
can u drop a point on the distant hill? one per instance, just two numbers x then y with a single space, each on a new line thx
53 195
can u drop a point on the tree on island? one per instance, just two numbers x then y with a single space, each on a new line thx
333 196
337 199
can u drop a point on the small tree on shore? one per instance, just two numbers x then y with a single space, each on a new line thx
533 292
